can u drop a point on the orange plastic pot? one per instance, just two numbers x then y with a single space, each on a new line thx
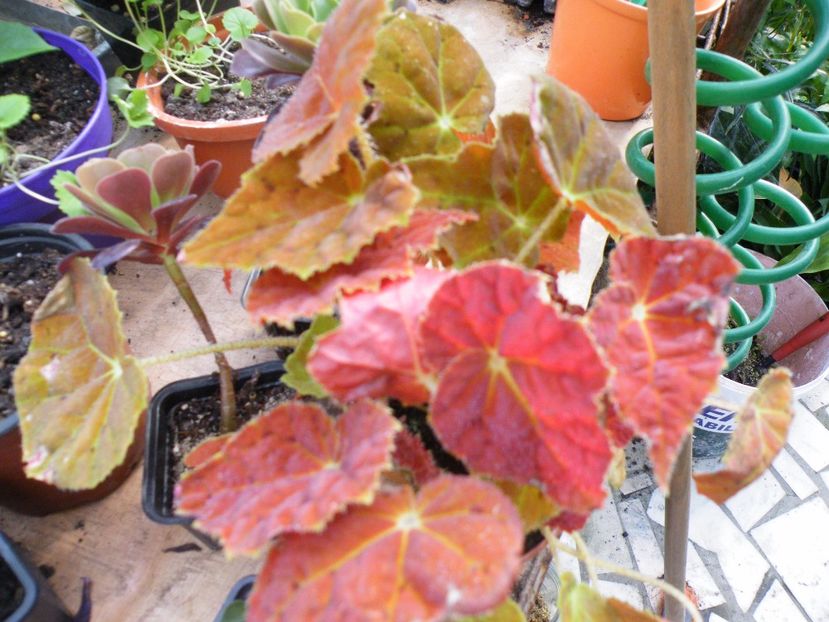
599 49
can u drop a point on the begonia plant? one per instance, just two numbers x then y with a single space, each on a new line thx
472 407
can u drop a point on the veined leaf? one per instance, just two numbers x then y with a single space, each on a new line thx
430 84
582 163
323 114
297 376
78 391
503 186
289 470
452 548
518 385
660 324
276 221
578 602
411 454
762 425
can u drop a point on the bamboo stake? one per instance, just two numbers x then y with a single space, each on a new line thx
672 36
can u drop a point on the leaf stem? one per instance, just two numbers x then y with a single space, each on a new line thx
230 346
229 421
531 244
588 559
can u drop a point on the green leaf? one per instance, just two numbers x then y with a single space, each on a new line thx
178 89
19 41
185 14
195 34
200 56
245 87
13 109
821 261
69 203
431 85
135 109
297 376
79 392
203 94
150 40
235 612
239 23
148 60
508 611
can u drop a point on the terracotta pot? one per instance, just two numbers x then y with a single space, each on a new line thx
229 142
599 49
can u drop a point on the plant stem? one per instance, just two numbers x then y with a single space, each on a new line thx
539 233
588 561
229 421
587 558
230 346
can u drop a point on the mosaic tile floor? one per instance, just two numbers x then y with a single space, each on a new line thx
762 557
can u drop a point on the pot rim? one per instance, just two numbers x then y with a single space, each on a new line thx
639 13
18 566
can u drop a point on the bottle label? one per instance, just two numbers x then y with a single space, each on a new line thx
715 419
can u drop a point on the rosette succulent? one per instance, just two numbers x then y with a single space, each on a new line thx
143 196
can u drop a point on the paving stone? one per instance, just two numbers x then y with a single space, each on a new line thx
795 477
818 398
753 503
568 563
643 543
715 618
825 476
622 591
778 606
636 483
809 438
603 535
744 568
796 544
701 580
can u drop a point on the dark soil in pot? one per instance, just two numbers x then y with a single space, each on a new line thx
63 97
11 591
751 370
226 104
25 280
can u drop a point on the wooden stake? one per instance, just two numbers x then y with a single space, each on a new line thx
672 35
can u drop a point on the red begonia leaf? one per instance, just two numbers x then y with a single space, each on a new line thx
280 297
578 602
563 255
78 391
412 455
291 469
323 115
452 548
619 430
275 220
205 450
762 425
373 353
502 184
430 84
581 161
568 521
518 385
660 324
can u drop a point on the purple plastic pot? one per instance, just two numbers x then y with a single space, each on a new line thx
17 206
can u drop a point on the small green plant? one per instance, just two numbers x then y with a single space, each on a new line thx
13 109
188 51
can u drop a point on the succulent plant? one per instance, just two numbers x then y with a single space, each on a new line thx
143 196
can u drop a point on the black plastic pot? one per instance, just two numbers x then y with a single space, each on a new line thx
156 491
16 490
39 601
119 23
240 591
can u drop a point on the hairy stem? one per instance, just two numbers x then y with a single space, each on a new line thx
229 421
588 559
230 346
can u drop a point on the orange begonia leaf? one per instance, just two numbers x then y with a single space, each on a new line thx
487 136
660 323
582 162
280 297
563 255
412 455
762 425
430 85
275 220
205 450
296 373
507 611
518 385
291 469
324 112
502 184
373 353
452 548
568 521
227 280
78 391
534 507
578 602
